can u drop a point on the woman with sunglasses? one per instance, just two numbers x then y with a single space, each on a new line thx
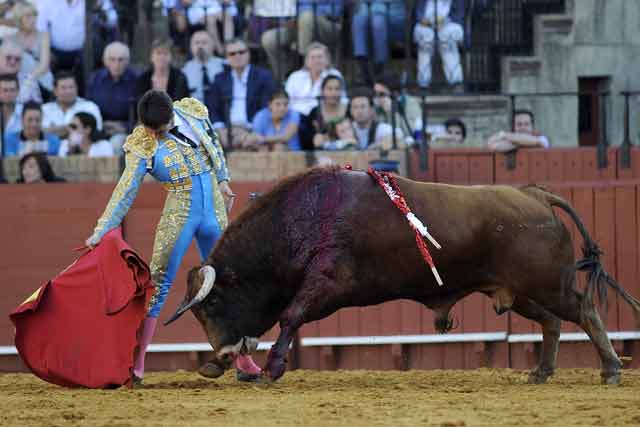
84 139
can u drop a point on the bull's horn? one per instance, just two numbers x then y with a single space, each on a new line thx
208 274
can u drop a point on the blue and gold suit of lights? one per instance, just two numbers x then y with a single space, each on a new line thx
194 206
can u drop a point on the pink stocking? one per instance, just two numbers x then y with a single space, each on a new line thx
147 333
246 364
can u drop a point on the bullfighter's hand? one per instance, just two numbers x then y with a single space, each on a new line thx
228 194
91 242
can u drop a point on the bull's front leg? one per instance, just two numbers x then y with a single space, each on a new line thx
314 300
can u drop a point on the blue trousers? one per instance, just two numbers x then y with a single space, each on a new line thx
383 32
186 215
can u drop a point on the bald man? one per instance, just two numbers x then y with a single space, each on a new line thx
112 88
12 61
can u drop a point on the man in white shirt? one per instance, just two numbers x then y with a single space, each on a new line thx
202 69
369 133
58 114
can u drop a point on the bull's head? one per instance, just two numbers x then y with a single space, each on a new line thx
207 302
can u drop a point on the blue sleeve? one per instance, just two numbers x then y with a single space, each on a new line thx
123 196
11 144
259 123
54 144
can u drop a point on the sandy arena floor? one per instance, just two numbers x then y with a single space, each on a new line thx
441 398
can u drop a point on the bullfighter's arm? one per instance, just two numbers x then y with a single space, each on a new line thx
122 197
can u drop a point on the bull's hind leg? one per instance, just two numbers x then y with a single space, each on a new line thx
575 308
550 337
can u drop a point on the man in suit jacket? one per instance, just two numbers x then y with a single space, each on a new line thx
237 94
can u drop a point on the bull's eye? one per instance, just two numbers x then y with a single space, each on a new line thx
211 302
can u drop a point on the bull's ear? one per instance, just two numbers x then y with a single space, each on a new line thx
208 276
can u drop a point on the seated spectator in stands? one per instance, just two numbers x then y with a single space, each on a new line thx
369 132
163 75
446 18
203 67
387 87
84 139
7 23
267 15
329 110
64 20
276 127
34 43
11 108
12 61
327 15
113 89
303 86
523 134
456 133
237 94
31 138
58 114
207 14
36 169
383 22
341 136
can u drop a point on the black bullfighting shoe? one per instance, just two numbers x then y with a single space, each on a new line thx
136 382
248 377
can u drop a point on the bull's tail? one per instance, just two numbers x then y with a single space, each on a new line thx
597 277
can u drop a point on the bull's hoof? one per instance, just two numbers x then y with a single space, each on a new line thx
211 370
537 377
611 379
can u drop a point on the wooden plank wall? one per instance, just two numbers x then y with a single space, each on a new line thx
41 224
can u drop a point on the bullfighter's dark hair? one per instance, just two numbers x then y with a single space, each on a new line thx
456 122
527 112
155 109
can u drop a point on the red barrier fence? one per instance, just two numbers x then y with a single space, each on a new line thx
41 224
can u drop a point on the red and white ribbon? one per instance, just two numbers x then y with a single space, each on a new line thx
389 185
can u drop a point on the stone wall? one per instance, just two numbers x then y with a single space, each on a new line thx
595 38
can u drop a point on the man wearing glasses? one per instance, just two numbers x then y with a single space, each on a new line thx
237 94
12 61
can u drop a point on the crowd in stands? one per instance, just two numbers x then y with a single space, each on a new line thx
297 100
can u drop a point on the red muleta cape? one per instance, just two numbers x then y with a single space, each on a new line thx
80 329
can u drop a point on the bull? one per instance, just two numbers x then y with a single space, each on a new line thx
331 238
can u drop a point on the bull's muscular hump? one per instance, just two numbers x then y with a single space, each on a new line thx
330 238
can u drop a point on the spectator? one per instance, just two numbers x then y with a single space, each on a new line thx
31 138
162 75
12 61
34 43
444 19
11 108
267 15
36 169
237 94
276 127
303 86
7 23
64 21
385 21
58 114
455 133
341 136
327 15
369 132
104 21
84 139
113 89
523 134
329 110
202 69
387 87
